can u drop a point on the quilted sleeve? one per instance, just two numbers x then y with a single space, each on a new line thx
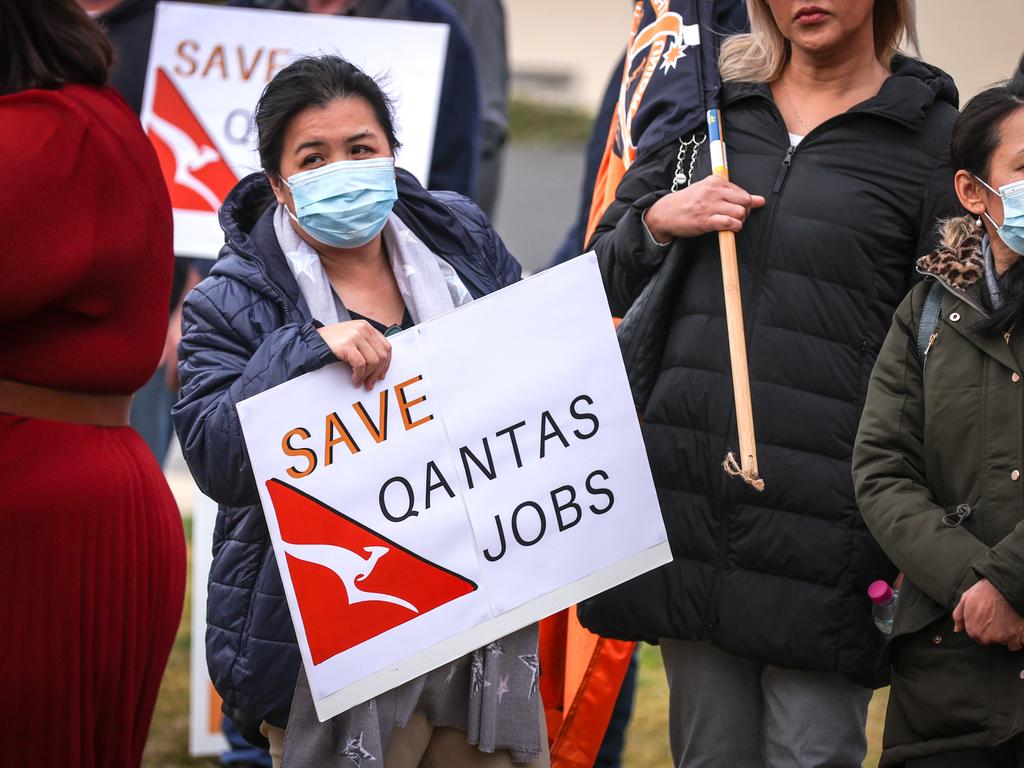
221 362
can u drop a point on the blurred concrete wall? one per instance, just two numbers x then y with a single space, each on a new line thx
563 50
977 41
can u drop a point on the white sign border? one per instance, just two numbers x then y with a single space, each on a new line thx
453 648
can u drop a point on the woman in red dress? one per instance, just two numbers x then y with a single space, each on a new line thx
92 557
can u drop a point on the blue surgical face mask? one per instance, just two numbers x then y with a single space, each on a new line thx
344 204
1012 230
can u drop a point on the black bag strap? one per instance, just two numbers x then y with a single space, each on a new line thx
929 319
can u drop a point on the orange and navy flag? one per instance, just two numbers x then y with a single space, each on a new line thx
669 81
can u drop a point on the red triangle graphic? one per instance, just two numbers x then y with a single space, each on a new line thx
351 583
198 178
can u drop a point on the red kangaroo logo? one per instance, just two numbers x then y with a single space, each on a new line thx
198 178
352 583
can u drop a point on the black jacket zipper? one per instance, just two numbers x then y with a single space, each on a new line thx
729 495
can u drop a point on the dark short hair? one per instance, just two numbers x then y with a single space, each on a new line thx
976 135
314 81
1017 81
48 43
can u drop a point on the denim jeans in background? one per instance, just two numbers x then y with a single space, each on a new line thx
241 752
151 414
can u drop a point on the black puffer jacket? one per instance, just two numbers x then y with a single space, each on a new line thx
780 576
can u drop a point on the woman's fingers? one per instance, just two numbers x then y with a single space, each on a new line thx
733 206
372 355
958 616
386 360
722 223
733 211
365 349
737 195
378 357
711 204
350 354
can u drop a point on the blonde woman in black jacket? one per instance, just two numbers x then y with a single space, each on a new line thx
837 154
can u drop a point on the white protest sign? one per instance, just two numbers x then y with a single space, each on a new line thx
208 66
495 476
204 727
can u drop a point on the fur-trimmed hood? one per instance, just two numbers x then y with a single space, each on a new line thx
959 260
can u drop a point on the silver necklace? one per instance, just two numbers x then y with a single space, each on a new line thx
793 109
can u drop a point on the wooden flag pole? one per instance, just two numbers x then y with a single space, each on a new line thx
746 467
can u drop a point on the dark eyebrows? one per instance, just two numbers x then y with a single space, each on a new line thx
310 144
366 133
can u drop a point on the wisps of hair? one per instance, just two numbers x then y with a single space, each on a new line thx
314 81
760 55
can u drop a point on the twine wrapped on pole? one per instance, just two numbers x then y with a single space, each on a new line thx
746 466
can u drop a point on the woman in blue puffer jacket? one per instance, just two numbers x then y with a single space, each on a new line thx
315 271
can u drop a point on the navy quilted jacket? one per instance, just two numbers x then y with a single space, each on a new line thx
246 329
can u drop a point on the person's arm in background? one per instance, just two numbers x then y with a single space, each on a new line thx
453 164
485 24
169 359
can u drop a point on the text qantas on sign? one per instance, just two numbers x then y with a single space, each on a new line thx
398 496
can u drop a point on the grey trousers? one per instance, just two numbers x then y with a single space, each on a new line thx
726 710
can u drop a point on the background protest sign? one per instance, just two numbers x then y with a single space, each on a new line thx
208 66
204 730
495 476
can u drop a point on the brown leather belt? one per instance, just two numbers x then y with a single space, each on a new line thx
62 405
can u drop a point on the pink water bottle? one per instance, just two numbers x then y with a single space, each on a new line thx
883 606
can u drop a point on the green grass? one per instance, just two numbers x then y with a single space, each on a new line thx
532 122
646 741
167 746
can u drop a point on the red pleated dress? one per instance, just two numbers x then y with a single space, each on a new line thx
92 555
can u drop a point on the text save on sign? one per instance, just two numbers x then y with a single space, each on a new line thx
491 479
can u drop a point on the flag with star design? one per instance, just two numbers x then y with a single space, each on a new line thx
669 80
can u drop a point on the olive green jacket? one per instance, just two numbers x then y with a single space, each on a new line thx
937 468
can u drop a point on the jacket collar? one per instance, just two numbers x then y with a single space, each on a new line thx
905 97
247 220
958 263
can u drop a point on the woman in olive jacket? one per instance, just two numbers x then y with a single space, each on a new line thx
938 463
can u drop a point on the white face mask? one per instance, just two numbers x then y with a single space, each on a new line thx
1011 232
347 203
